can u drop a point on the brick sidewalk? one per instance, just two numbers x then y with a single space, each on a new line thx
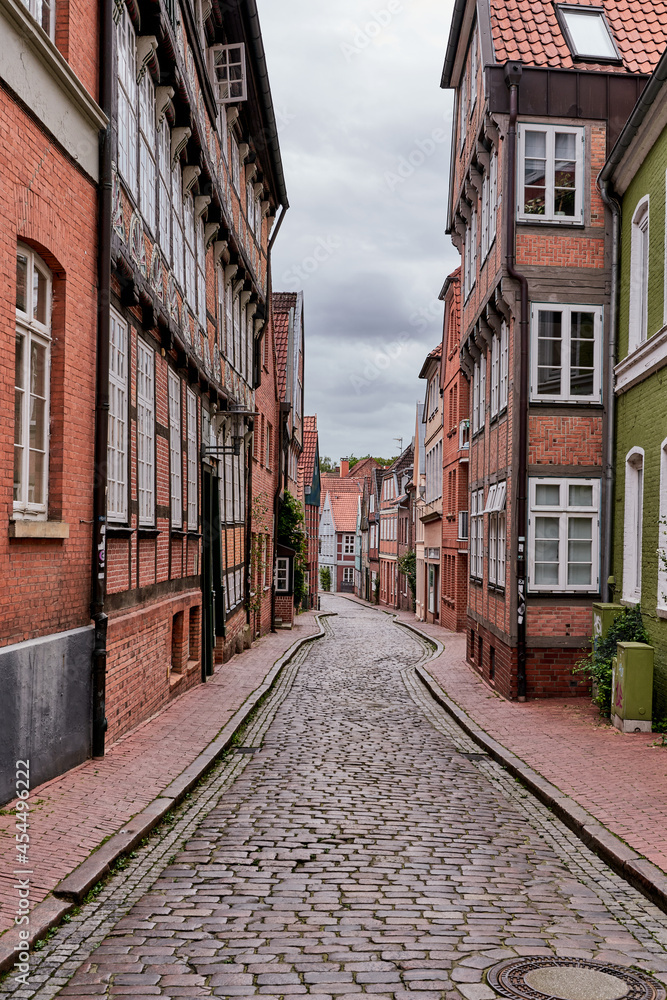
73 814
621 779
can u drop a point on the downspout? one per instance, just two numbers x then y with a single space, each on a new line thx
248 541
610 437
513 72
102 390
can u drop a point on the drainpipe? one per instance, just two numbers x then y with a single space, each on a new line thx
513 72
610 436
276 497
102 389
248 544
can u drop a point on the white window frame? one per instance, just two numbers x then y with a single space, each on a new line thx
147 150
348 574
146 433
473 72
126 48
348 545
495 508
633 525
482 392
582 12
189 240
178 249
44 12
164 187
228 72
504 367
639 274
550 216
563 512
201 272
566 337
236 164
476 533
192 463
463 110
175 451
118 419
495 375
32 331
282 575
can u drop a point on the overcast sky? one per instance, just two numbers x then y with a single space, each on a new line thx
365 135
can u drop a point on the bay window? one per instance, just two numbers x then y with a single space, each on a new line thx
32 385
551 165
563 535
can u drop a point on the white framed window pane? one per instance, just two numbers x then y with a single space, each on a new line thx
565 163
579 550
175 451
146 433
117 423
580 496
549 346
547 495
547 532
192 460
535 173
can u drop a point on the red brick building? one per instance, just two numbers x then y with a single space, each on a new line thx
540 100
340 503
455 456
309 492
196 186
51 122
394 480
430 502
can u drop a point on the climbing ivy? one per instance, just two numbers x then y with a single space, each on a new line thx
292 533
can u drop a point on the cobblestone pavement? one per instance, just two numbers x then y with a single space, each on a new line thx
357 851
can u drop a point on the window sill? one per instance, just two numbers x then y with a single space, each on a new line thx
38 529
147 532
177 533
119 531
193 534
539 220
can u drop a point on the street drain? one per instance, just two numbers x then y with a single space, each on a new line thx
543 978
475 756
247 749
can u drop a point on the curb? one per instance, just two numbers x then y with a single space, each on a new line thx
71 890
625 861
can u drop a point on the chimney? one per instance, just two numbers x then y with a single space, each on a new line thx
344 467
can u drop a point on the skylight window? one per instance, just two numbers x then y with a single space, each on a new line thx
587 33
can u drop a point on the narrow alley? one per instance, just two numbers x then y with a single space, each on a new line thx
357 842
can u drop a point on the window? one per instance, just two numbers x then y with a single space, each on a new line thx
633 525
250 205
164 199
127 99
639 263
495 374
146 433
147 146
434 473
117 427
463 110
552 163
258 219
587 33
32 385
565 349
504 365
563 534
470 255
191 400
348 575
495 508
348 545
177 221
479 394
44 12
473 72
489 206
282 575
236 332
236 164
189 234
463 525
175 458
229 73
201 275
476 541
269 431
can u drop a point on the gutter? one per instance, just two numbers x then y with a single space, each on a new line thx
98 571
610 436
513 72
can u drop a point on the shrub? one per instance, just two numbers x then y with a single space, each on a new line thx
325 578
597 664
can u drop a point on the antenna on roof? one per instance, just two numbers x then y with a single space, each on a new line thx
400 445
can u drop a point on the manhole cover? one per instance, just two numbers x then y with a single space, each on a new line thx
538 978
247 749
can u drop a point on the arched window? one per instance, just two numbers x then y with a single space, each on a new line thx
639 263
32 385
633 525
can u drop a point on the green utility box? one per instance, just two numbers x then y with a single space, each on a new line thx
603 616
632 687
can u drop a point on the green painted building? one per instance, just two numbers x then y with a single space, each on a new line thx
635 176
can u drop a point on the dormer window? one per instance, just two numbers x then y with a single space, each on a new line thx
587 33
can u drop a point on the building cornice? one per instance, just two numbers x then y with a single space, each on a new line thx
637 367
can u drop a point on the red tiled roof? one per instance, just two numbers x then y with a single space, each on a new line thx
363 468
337 488
281 303
307 456
528 31
344 504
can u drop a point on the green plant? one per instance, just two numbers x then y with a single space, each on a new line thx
292 534
258 552
377 589
597 664
325 578
407 565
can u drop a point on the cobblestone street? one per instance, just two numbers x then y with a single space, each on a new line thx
358 842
